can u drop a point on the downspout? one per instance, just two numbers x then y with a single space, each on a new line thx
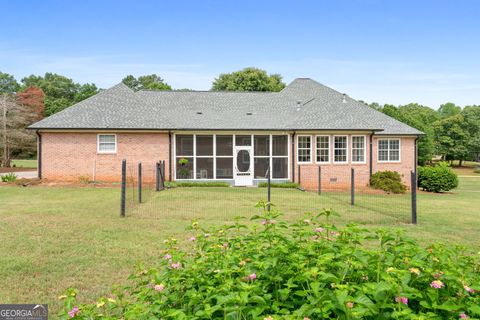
169 156
370 151
39 154
415 156
293 156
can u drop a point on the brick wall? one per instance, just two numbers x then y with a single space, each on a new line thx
338 176
69 156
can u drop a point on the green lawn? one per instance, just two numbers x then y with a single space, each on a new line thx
59 237
24 163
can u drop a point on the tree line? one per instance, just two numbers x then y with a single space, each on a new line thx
450 132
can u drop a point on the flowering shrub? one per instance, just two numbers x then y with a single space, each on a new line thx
305 270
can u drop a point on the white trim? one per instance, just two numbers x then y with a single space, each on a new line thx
329 148
297 148
364 149
98 143
388 150
289 151
346 148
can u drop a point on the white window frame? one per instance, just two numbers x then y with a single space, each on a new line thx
329 148
388 150
364 149
298 148
346 148
108 151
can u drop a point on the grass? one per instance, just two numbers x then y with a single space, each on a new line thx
59 237
24 163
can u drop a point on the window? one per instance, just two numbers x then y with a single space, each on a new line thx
204 156
340 149
106 143
389 150
323 149
304 149
358 149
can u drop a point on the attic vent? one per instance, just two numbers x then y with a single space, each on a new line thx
199 112
249 113
344 99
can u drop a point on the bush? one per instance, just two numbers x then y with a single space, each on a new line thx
389 181
309 269
440 178
188 184
292 185
9 177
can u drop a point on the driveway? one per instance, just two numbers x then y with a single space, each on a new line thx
24 174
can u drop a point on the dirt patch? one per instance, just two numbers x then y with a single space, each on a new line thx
16 169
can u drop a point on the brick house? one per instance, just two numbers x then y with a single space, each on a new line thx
227 136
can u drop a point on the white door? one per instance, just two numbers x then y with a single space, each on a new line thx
243 172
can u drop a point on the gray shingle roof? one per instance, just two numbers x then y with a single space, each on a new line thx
303 105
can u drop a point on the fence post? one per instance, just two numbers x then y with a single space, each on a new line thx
157 176
319 180
123 188
413 187
139 182
352 188
268 189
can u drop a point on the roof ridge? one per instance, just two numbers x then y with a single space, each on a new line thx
206 91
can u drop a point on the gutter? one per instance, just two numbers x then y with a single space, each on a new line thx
370 161
39 154
416 155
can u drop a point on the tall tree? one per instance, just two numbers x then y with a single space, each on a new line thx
452 138
60 91
148 82
448 109
85 91
8 84
248 79
16 118
471 115
33 98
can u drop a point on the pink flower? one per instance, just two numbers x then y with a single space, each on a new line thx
403 300
349 305
469 289
253 276
176 265
167 257
225 245
318 230
192 239
463 316
159 287
306 318
72 313
437 284
264 222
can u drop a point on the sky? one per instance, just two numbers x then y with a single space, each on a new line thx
374 50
